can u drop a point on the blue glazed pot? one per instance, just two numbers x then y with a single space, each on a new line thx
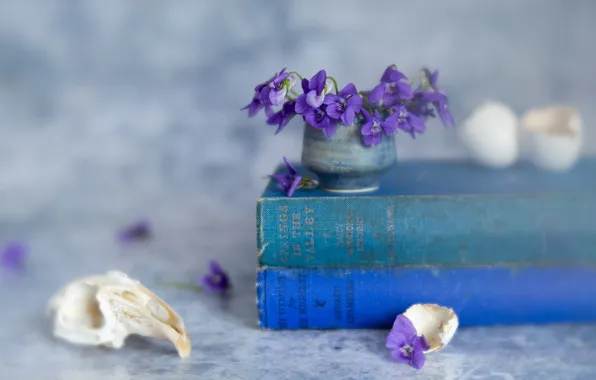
343 163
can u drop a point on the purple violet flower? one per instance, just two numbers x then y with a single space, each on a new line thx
260 100
407 121
139 230
441 104
374 126
345 105
391 89
272 92
216 281
13 255
318 118
405 345
423 97
288 182
282 117
314 93
420 105
277 88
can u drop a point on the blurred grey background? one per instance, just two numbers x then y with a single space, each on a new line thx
113 104
113 110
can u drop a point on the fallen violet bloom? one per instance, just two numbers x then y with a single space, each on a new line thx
140 230
405 345
13 255
217 280
290 181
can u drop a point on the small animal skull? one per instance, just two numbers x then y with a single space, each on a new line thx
106 309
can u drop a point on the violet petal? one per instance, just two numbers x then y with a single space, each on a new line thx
317 82
301 106
404 326
377 93
314 100
395 340
399 356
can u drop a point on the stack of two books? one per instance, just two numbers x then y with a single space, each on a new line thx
509 246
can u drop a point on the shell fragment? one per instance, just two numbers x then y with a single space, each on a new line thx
554 135
437 323
106 309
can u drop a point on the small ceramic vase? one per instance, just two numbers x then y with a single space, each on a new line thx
553 136
343 163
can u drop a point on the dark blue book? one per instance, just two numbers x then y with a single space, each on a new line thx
331 298
436 213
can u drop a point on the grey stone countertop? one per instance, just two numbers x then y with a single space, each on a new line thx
78 238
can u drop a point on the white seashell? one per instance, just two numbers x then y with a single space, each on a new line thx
553 136
106 309
438 324
490 135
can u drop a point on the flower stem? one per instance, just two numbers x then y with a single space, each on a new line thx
415 79
424 83
298 75
335 84
308 183
364 94
180 285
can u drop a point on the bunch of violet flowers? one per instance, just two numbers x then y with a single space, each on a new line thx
392 105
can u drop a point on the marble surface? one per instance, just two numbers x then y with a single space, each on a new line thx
226 342
114 110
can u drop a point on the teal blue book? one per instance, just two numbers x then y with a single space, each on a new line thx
430 213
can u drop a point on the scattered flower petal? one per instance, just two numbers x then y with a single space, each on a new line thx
13 255
217 280
140 230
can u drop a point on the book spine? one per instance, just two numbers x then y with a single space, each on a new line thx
426 230
335 298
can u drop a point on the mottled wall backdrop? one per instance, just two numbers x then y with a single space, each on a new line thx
118 105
